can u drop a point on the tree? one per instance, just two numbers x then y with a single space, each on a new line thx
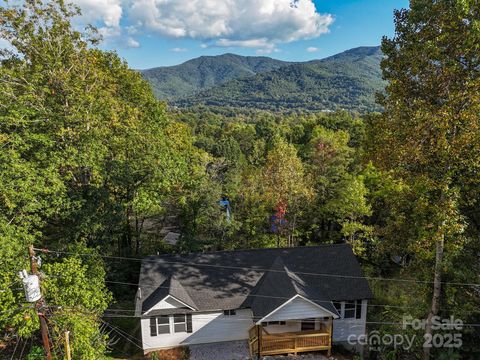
429 133
87 153
339 188
76 293
282 183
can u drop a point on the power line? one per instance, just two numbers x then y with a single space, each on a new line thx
236 318
23 349
16 345
133 339
255 269
257 295
119 332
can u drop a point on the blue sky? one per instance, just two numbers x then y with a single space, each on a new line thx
150 33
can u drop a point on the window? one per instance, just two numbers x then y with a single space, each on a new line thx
268 323
353 309
159 325
166 324
359 309
349 309
180 323
308 324
338 306
163 324
229 312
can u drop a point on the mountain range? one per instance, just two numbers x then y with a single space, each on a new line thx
348 80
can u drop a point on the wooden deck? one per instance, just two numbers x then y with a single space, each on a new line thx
262 343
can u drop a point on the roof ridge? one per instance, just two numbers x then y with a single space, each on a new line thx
175 287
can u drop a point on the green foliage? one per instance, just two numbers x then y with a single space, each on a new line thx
174 82
428 139
36 353
345 81
260 161
92 163
76 286
87 155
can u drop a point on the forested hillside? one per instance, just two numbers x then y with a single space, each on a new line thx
195 75
95 171
345 81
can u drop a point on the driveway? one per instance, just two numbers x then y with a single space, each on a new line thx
231 350
238 350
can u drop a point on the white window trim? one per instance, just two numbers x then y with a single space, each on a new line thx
172 324
157 325
342 308
358 302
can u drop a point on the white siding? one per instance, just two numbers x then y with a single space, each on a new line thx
215 327
343 328
297 308
207 328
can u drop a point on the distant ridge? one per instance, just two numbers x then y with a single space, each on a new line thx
205 72
348 80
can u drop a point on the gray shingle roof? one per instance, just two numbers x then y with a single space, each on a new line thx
260 279
285 284
171 286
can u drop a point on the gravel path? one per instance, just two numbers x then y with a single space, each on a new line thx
297 357
231 350
238 350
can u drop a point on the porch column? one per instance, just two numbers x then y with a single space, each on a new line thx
330 330
259 337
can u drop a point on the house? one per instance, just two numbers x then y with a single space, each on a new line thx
280 300
171 238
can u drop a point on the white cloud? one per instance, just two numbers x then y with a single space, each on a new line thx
132 30
178 49
132 43
259 24
109 12
251 43
266 51
243 23
263 45
312 49
105 15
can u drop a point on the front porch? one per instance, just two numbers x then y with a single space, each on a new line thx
262 343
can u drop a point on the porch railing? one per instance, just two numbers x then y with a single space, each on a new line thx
273 344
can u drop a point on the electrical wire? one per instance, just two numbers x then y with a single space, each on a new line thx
253 269
258 295
235 318
23 349
16 345
119 333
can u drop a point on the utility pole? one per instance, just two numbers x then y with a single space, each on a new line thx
67 345
38 305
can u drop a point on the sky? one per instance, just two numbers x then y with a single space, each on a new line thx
151 33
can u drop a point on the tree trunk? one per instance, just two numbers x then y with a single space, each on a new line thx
437 288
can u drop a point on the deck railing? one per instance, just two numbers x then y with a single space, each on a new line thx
284 343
